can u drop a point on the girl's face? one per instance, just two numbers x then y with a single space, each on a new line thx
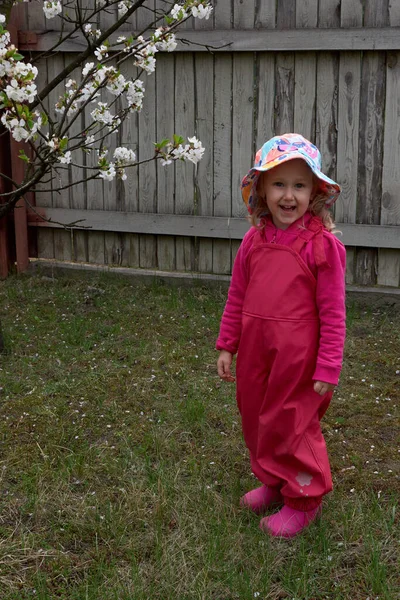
287 190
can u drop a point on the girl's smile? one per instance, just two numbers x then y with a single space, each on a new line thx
287 189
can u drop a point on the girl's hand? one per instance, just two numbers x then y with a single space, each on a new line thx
224 365
321 387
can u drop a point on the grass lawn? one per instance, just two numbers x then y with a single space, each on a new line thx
122 461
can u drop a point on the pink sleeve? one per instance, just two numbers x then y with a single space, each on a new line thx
330 297
231 322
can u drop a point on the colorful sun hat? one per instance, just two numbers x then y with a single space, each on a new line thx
280 149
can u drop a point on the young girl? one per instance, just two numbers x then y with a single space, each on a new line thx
285 316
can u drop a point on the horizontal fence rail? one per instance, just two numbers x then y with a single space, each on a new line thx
369 236
233 40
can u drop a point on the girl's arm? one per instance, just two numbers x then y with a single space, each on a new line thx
231 322
330 297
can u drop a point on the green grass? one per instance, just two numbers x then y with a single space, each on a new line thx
122 461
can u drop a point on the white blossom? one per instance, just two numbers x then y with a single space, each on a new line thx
147 63
134 95
123 7
4 40
168 44
124 156
117 85
193 151
88 67
101 52
108 174
89 140
178 12
202 11
2 18
16 126
66 158
52 8
53 143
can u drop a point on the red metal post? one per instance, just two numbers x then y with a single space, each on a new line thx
4 249
17 170
20 216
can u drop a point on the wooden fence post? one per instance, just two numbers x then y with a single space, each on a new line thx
4 248
20 212
17 173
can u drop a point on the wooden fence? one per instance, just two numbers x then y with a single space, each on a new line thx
327 69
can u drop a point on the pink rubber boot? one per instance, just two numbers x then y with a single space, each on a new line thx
261 498
289 522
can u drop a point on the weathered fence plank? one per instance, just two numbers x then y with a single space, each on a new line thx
329 13
242 126
370 155
62 239
45 239
165 174
305 73
129 189
376 12
222 14
348 128
265 90
284 98
243 14
351 13
389 264
286 14
223 74
204 81
306 13
265 14
184 124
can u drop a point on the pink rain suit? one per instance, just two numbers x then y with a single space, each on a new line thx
280 339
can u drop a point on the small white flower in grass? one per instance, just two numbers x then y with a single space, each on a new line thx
352 490
256 594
